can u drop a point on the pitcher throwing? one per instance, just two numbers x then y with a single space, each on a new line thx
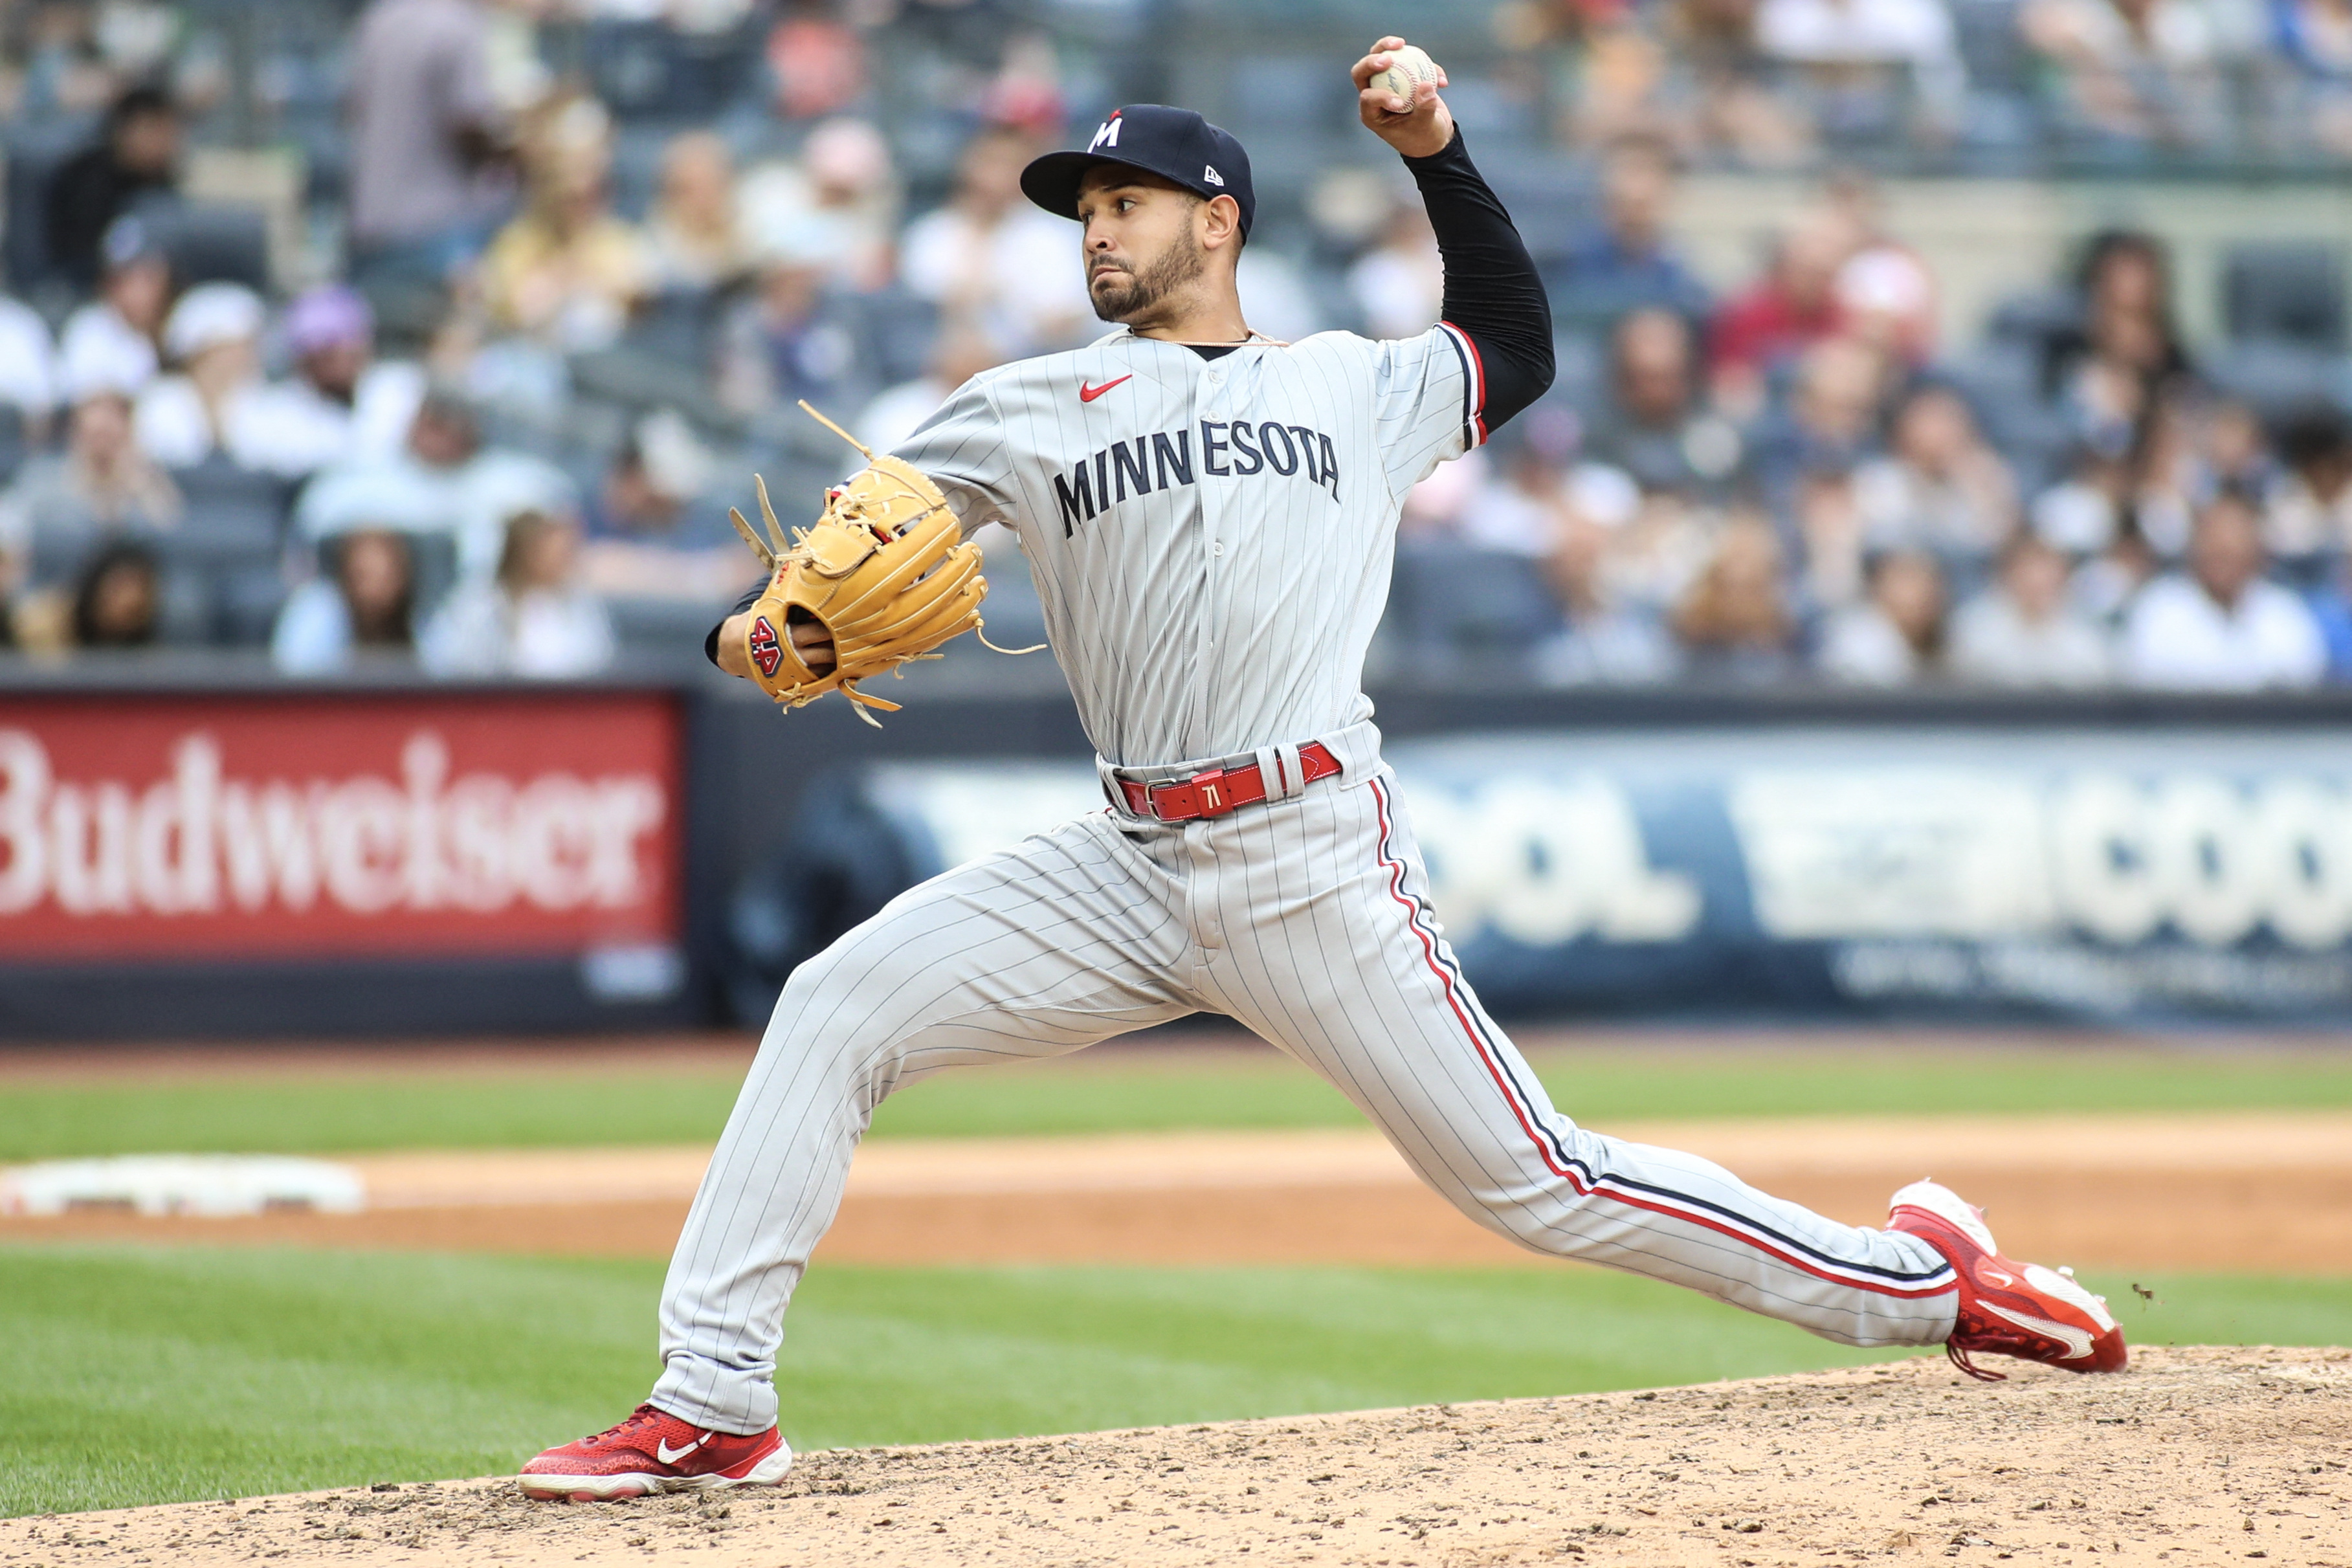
1210 517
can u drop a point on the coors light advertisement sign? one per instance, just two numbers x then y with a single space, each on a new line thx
152 828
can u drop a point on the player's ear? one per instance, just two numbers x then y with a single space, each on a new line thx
1221 223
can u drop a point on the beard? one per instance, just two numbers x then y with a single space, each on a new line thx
1136 292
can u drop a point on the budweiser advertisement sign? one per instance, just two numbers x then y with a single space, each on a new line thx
353 825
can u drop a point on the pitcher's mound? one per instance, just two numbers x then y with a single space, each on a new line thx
2197 1456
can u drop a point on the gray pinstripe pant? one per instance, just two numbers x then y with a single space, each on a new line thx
1305 919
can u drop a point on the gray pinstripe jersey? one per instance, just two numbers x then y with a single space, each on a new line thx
1211 539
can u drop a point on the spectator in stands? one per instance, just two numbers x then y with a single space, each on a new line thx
2169 478
1792 309
959 352
2108 379
117 600
62 504
341 404
1886 297
845 187
443 483
1895 636
2083 513
1398 285
2025 629
2220 626
816 60
1527 506
2131 73
1626 262
648 535
1861 59
797 335
1605 642
994 256
2314 38
1656 426
427 139
1735 621
64 71
1731 100
364 606
116 337
1940 486
535 620
135 155
566 271
2310 509
693 240
28 368
214 342
1807 461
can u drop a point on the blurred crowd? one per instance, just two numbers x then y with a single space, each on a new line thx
584 262
2005 85
1791 481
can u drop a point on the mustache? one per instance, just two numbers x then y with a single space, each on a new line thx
1109 264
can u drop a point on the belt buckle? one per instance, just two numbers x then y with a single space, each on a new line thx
1210 796
1207 793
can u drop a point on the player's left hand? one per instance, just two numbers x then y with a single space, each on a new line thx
1418 128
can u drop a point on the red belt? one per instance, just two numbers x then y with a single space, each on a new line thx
1219 790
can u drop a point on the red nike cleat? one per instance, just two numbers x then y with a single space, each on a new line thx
654 1451
2007 1308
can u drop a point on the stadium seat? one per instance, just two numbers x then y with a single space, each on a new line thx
1451 607
14 447
222 485
2276 379
210 242
33 151
2285 291
650 70
662 632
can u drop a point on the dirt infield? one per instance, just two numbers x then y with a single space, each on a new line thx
2198 1456
2263 1191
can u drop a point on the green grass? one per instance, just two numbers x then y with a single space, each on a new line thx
139 1376
261 1112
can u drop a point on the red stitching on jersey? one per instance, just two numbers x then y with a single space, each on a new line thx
1567 1172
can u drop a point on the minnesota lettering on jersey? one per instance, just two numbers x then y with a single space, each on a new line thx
1235 449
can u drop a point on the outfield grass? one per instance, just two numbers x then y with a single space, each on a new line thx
139 1376
266 1113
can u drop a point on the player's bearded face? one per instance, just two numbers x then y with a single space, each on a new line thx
1124 289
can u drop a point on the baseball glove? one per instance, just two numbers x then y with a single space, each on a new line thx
885 570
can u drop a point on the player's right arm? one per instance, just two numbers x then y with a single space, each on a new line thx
1494 298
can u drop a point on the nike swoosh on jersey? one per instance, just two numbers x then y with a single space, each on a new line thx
2077 1343
670 1456
1088 394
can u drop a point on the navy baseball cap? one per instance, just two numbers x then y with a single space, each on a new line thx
1176 144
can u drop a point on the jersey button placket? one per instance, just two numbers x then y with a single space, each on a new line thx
1206 405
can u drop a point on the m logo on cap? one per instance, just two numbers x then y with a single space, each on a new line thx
1106 135
1209 172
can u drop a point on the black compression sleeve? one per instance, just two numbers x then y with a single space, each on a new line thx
750 597
1492 292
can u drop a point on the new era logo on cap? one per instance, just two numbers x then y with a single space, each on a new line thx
1176 144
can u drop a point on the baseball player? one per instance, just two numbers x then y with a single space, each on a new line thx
1210 515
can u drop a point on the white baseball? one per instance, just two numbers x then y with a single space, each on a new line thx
1408 67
